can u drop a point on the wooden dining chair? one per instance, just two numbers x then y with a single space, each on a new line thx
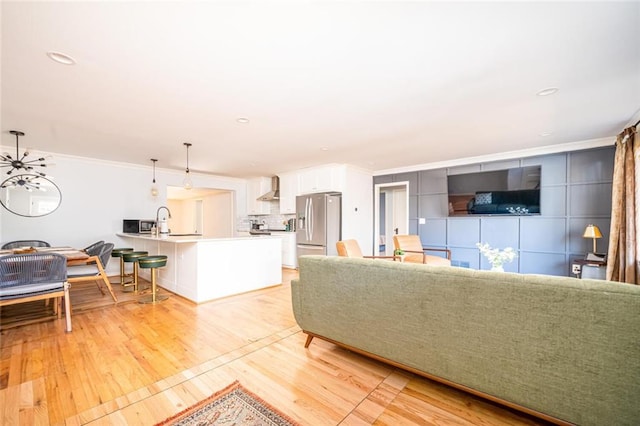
416 253
36 276
351 248
92 269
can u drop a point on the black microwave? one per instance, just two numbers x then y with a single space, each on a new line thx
137 226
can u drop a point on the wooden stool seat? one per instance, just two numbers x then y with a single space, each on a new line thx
153 262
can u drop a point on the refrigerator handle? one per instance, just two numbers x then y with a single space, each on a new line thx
308 219
311 217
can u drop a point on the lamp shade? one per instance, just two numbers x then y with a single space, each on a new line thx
592 231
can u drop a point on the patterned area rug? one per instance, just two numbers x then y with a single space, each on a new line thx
233 405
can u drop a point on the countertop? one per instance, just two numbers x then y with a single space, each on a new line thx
187 238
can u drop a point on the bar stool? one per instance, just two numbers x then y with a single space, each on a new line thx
153 262
117 252
133 256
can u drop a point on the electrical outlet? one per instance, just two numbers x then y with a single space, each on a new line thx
575 269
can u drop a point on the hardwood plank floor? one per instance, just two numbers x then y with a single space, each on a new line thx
132 363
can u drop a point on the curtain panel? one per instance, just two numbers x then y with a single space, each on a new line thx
622 259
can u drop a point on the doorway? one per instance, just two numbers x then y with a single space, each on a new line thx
391 215
201 211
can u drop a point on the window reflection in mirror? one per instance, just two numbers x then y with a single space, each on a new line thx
203 211
30 195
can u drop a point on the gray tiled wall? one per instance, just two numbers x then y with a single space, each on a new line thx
575 191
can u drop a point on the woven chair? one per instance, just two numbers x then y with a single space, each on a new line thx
25 243
92 269
415 253
94 249
38 276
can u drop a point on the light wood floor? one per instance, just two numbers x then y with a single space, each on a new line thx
138 364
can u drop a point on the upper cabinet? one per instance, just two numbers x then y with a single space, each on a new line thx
321 179
327 178
289 189
356 186
256 188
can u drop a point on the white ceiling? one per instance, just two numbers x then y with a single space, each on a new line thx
376 84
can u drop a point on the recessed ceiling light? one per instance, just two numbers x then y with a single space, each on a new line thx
242 120
61 58
324 148
545 134
548 91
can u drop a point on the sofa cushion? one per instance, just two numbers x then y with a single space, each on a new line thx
483 198
501 202
485 209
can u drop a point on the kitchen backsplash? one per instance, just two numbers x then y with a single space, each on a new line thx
275 220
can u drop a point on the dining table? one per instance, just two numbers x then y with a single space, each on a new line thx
74 256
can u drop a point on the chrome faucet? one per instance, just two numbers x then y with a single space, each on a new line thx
158 228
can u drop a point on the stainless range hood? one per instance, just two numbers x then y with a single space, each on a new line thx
274 194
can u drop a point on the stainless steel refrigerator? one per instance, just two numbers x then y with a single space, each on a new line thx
318 223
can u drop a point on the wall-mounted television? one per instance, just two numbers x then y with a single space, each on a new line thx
496 192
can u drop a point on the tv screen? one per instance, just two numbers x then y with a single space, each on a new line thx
497 192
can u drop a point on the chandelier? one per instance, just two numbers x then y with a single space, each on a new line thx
27 182
20 163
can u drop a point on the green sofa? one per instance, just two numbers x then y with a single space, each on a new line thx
560 348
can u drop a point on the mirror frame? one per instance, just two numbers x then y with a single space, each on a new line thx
35 177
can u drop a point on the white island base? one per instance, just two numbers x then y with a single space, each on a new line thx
203 269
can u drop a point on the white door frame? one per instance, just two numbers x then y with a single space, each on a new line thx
376 211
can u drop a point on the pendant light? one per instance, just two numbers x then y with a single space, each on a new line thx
20 164
154 187
186 182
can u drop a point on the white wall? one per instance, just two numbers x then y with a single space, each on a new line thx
217 215
181 220
357 208
218 219
97 195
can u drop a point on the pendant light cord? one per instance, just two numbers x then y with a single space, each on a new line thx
187 144
154 169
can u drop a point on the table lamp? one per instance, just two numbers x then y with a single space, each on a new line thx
592 231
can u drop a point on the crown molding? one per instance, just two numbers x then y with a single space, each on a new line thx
508 155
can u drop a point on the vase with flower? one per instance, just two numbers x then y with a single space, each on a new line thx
496 257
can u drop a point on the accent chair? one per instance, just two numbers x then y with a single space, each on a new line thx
416 253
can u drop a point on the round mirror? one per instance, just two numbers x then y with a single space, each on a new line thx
30 195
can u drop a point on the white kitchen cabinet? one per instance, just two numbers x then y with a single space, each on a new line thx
357 197
289 189
190 274
256 188
321 179
289 258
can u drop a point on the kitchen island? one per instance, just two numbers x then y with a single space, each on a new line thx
202 269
